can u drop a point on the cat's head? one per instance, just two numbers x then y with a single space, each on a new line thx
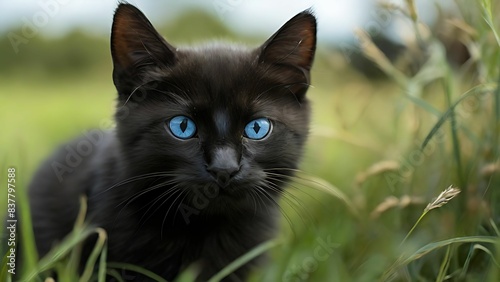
218 117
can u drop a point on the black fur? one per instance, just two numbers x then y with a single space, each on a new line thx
157 196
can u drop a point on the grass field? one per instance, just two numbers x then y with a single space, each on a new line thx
379 153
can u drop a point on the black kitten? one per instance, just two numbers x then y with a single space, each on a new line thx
205 141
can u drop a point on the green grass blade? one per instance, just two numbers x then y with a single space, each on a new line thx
55 255
488 18
137 269
255 252
444 265
413 228
449 85
404 260
476 90
115 274
3 270
325 186
30 253
487 251
458 240
496 124
494 226
494 274
89 265
470 255
423 104
189 274
467 262
75 255
101 275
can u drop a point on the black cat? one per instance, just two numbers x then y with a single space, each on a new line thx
205 141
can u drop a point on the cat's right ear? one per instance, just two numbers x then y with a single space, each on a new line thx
136 47
292 48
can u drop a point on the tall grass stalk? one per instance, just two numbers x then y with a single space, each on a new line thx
445 264
487 10
425 250
441 200
252 254
134 268
449 90
27 236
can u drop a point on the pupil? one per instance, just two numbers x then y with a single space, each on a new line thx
256 127
184 125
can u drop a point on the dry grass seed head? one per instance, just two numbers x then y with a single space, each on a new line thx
443 198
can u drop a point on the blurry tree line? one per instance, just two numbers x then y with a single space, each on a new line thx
79 52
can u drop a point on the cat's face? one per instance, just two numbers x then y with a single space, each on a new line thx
219 119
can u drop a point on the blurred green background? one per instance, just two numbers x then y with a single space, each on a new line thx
366 177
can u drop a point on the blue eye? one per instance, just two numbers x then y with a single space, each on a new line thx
182 127
258 128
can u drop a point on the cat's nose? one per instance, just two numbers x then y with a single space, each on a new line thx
223 175
224 165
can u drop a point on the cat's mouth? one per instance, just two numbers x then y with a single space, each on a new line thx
224 188
223 180
221 193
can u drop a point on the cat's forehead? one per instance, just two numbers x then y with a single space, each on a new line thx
219 81
216 72
216 59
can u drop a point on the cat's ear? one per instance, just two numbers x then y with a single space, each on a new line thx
293 46
136 46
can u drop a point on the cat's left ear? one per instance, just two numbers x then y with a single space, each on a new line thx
136 47
293 47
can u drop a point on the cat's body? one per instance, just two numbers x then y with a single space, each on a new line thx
203 189
161 245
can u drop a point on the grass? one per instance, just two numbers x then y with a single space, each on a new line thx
379 152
